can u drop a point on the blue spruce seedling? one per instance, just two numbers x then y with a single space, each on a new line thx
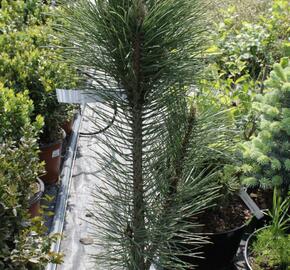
267 154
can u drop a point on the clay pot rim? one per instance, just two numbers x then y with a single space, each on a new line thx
48 145
37 196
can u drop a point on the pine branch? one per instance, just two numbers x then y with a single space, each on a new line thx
181 156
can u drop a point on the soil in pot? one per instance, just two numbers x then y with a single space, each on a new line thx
263 198
51 155
34 201
225 227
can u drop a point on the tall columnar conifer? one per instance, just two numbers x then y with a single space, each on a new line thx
142 55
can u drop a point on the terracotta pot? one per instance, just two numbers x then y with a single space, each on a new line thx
67 126
51 155
34 202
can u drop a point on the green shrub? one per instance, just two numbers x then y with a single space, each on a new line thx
271 250
29 61
267 162
15 113
22 242
244 47
257 43
16 15
243 10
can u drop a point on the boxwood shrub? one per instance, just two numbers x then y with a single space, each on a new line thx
30 61
23 244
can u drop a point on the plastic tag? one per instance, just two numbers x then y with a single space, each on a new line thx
251 204
55 153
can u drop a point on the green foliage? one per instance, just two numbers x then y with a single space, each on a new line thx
270 251
247 39
32 249
19 168
29 60
279 213
15 113
23 244
266 155
252 47
16 15
272 246
143 56
221 151
242 10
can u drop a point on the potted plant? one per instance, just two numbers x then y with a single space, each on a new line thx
226 221
266 161
29 62
35 198
19 168
16 125
69 115
143 56
269 247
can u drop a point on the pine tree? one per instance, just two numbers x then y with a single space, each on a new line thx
142 56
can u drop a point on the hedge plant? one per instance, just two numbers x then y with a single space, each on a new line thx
29 60
18 14
15 112
23 244
243 49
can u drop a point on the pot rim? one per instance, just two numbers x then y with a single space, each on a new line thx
37 196
245 224
43 146
247 244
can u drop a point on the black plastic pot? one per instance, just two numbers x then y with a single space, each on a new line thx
217 255
222 250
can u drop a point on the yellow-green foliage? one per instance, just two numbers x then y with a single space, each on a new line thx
17 15
271 250
15 113
248 37
267 154
29 73
29 60
19 167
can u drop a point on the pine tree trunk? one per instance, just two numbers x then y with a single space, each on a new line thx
137 102
138 211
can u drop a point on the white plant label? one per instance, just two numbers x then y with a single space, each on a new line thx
251 204
55 153
72 96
